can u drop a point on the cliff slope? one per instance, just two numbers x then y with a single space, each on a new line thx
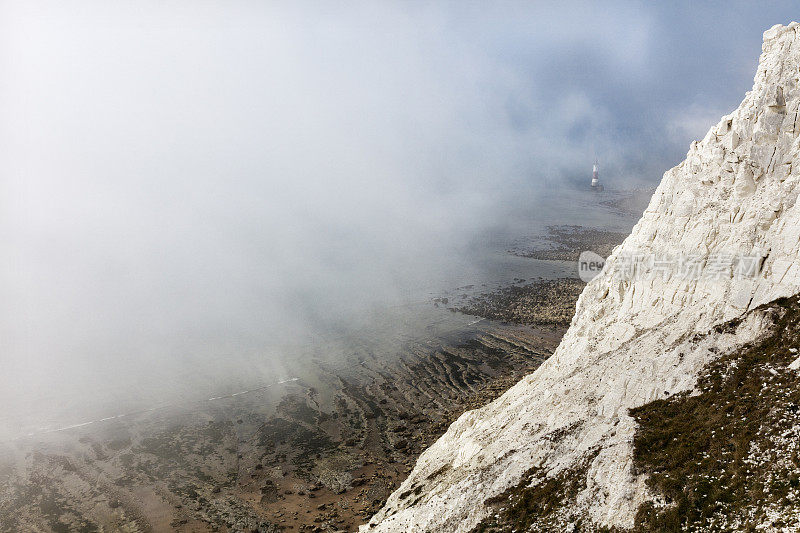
720 237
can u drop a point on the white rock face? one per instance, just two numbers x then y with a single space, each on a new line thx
631 340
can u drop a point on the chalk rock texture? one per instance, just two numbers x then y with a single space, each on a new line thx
721 236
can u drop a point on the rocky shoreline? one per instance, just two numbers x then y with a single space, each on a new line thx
302 467
321 453
542 303
566 242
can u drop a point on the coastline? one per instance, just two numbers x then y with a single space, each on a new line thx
301 468
320 452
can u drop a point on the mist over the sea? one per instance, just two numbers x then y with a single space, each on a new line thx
188 187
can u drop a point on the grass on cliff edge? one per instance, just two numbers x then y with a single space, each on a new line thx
720 460
727 459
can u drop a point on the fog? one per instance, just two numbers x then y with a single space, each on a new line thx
197 184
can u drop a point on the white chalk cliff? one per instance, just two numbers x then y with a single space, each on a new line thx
630 340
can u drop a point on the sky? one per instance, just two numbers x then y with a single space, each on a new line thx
184 179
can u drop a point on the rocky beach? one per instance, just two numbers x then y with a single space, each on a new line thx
309 465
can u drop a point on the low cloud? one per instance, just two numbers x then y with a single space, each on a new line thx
196 184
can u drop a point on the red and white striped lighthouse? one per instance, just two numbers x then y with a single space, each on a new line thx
596 178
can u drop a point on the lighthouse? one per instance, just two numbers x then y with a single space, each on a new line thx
596 179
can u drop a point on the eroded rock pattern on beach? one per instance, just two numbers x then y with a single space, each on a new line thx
325 458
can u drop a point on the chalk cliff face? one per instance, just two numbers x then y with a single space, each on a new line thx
729 210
